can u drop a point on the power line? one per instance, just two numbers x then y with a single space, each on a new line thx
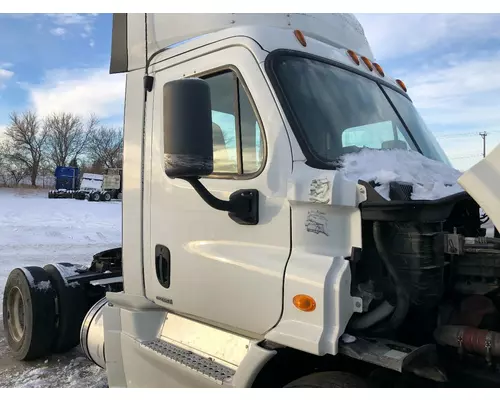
468 135
464 157
456 135
463 135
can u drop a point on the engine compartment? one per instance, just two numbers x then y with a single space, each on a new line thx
428 274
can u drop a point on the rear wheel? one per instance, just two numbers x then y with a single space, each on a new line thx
71 307
107 196
330 379
29 313
95 196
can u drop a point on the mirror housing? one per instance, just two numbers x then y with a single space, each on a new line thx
187 128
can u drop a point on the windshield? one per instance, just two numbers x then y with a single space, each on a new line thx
337 111
428 143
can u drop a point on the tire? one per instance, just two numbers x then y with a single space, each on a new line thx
330 379
51 195
29 335
95 196
71 307
107 196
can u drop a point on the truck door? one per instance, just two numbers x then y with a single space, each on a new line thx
199 262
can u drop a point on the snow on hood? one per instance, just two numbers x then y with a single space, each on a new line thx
431 179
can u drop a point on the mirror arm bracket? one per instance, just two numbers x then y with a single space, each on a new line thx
242 207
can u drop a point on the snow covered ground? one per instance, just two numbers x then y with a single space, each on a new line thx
35 230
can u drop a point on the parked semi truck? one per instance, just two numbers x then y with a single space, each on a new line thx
248 259
66 182
101 187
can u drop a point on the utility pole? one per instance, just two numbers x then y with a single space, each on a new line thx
483 135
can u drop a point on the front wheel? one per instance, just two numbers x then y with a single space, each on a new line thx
330 379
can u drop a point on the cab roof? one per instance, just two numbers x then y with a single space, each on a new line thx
128 50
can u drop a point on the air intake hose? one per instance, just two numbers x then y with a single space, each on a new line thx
402 295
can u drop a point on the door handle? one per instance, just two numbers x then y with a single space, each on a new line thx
162 263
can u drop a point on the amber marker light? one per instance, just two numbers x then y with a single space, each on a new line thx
300 37
379 69
368 63
401 84
304 302
354 56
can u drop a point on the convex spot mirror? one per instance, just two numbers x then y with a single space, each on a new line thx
187 128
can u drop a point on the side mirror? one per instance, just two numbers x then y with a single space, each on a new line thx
187 129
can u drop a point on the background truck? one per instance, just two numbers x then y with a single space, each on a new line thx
105 187
256 250
90 183
112 184
67 182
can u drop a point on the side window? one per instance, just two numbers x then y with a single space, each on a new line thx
236 132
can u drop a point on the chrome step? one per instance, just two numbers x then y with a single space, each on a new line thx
205 366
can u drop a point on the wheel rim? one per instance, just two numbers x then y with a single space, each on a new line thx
15 314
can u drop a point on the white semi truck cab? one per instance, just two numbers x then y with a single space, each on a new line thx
248 259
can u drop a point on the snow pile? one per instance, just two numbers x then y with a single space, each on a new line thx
431 179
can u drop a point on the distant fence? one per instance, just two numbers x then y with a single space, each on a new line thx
48 182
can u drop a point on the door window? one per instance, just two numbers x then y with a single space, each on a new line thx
237 136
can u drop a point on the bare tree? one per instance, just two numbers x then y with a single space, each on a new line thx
106 147
12 170
26 136
68 136
46 171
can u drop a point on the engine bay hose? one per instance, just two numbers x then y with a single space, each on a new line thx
402 296
367 320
